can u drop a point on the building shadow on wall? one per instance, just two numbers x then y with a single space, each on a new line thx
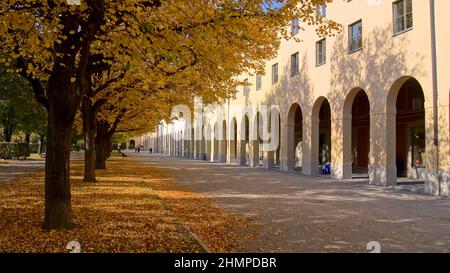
375 69
383 60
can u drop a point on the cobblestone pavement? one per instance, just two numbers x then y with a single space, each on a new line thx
295 213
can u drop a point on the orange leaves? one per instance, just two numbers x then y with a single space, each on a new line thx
132 208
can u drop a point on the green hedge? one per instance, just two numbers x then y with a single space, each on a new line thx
76 148
34 148
10 150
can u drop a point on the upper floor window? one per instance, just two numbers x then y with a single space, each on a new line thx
275 73
294 64
403 17
321 11
321 52
246 88
258 82
355 37
295 26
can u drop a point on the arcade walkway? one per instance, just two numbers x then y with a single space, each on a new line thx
294 213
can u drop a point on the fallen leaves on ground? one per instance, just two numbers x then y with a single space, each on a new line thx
131 208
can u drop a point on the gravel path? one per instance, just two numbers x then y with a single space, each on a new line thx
295 213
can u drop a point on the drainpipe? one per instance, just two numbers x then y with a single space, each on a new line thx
435 87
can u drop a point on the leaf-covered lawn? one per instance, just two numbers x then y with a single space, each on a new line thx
132 208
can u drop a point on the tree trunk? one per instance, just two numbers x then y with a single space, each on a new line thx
58 211
27 138
101 142
7 134
89 132
109 146
42 144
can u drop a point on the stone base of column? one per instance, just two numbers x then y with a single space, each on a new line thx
310 167
268 163
384 176
287 165
241 161
222 159
342 171
435 180
254 162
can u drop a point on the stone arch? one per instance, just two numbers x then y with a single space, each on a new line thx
406 133
294 133
207 139
132 144
244 138
255 141
271 156
223 143
215 143
356 133
233 140
320 134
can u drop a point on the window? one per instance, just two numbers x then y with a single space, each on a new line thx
321 52
258 82
275 73
403 18
321 11
355 37
246 88
294 64
295 27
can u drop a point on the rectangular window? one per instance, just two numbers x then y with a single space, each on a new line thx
295 27
246 88
403 17
275 73
355 37
294 64
258 82
321 11
321 52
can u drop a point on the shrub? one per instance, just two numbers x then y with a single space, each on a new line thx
23 150
9 150
34 148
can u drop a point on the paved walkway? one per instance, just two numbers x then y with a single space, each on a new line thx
295 213
14 169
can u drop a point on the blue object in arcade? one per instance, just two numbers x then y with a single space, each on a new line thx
326 168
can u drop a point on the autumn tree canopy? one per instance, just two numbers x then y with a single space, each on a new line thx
202 44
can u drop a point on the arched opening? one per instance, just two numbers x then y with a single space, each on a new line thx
192 144
357 104
410 130
244 141
233 141
132 144
278 151
179 144
271 156
215 156
207 138
255 153
321 137
294 138
224 143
